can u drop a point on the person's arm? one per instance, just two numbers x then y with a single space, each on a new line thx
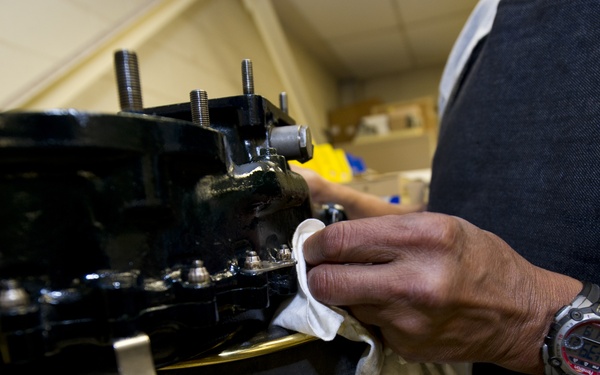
356 204
438 288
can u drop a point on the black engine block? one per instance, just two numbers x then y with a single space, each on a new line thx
173 222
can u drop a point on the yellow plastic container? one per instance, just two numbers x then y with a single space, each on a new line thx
330 163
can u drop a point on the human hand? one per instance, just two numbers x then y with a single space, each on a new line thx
357 204
321 190
438 288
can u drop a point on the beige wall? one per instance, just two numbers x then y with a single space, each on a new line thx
412 84
59 55
201 49
41 40
407 86
322 88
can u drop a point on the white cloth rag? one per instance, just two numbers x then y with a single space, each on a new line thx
303 313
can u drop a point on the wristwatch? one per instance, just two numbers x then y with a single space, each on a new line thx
573 343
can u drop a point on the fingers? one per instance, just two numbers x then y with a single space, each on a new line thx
354 284
380 239
382 261
344 285
360 241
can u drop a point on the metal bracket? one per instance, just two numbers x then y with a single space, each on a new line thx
134 356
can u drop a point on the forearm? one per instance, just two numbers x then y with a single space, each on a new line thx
360 205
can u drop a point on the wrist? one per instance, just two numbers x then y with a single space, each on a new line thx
558 293
548 293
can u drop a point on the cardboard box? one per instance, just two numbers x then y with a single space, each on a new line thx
374 125
344 121
419 112
408 116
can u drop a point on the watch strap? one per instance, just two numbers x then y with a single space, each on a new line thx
589 295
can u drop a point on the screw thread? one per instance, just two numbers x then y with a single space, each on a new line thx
283 102
247 77
128 81
199 107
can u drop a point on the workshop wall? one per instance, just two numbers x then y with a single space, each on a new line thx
58 54
407 86
41 40
201 49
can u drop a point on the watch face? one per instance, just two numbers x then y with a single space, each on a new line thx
581 348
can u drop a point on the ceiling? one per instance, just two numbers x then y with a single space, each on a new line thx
363 39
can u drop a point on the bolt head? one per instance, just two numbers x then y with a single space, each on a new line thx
305 143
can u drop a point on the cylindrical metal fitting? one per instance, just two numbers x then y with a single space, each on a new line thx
128 81
199 107
292 141
12 295
252 261
283 102
284 253
198 274
247 77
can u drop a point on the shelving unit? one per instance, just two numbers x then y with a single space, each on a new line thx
399 149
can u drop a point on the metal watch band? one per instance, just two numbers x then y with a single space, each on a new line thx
589 294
